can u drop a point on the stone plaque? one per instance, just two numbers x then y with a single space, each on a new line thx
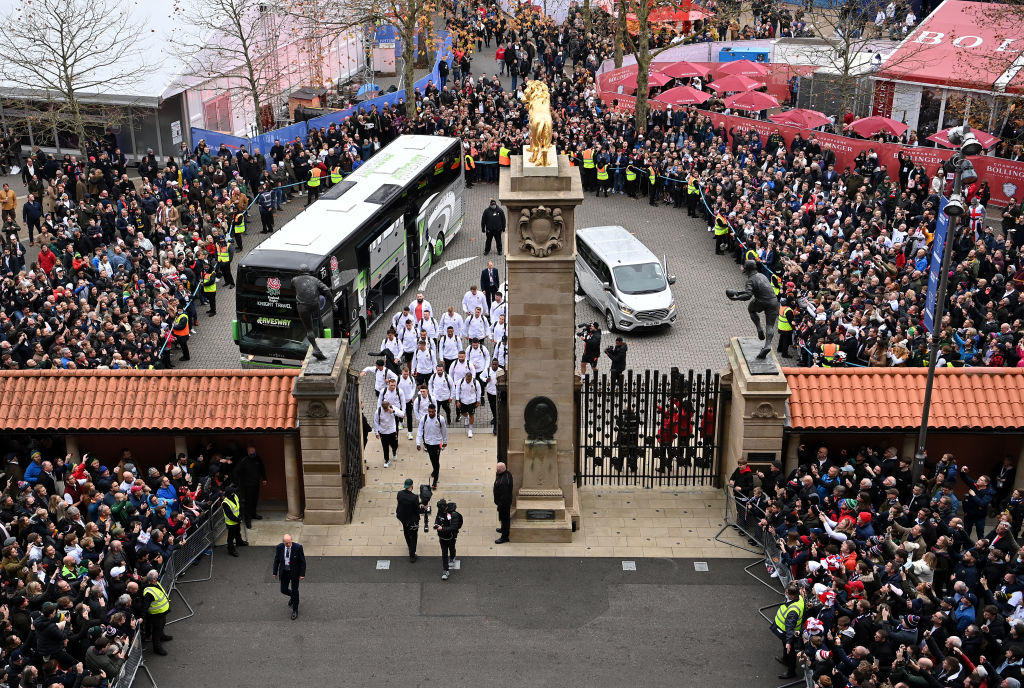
330 347
540 515
750 348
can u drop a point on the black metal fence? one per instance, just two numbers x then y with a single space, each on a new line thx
649 429
353 440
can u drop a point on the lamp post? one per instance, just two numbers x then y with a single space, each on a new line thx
965 174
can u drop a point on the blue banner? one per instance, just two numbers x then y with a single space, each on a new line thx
215 139
264 142
935 268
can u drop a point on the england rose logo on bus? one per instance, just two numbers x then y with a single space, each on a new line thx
273 288
334 263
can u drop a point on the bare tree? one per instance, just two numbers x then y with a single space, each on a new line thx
233 44
642 49
413 19
57 52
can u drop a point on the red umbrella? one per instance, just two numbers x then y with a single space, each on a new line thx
682 70
735 84
869 126
743 68
807 119
751 100
942 138
682 95
653 79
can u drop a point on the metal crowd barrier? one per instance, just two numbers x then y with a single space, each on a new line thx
201 541
132 664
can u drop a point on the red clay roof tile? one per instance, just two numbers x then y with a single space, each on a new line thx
892 398
118 400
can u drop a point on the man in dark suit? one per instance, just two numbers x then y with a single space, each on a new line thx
290 568
503 500
489 282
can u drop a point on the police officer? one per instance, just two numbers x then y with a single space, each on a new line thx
232 518
210 289
156 612
492 223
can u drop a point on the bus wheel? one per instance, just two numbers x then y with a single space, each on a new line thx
439 246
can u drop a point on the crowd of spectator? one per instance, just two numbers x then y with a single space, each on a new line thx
82 543
893 581
120 258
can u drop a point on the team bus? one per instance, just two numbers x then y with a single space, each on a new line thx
368 238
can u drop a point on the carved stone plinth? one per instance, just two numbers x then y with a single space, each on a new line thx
540 514
541 255
533 170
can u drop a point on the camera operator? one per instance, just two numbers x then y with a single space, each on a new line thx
591 338
618 355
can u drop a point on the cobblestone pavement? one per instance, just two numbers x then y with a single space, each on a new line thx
697 339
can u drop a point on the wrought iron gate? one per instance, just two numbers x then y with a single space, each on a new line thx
648 429
353 440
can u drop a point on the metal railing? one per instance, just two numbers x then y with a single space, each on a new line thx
198 543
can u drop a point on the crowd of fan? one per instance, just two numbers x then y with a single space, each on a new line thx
903 583
120 258
82 543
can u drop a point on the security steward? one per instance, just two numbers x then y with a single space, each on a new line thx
630 179
652 183
492 224
603 180
721 234
829 354
788 620
313 185
180 330
210 289
504 156
470 167
588 169
156 612
786 320
692 196
232 518
224 262
239 223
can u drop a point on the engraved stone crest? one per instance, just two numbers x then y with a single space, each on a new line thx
316 409
541 230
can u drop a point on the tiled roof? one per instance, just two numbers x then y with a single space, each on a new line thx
892 398
147 400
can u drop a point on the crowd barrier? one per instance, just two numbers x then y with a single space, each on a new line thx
198 543
746 518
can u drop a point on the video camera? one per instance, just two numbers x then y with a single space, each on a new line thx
582 329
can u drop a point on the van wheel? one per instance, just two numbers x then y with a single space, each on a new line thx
576 282
439 246
609 321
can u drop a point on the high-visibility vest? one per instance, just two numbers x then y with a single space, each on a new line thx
828 352
314 178
503 158
784 610
588 159
159 603
691 186
653 176
209 283
232 504
470 163
223 254
784 322
630 174
180 328
335 175
751 254
240 224
776 285
721 225
602 173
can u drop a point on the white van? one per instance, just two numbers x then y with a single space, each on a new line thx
623 279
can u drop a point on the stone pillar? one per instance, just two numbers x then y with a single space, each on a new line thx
71 447
541 254
291 478
758 408
319 390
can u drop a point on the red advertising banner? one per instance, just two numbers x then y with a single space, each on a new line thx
1005 177
885 92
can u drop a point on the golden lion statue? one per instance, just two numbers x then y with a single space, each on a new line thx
538 102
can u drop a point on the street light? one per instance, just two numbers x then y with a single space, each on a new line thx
964 174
